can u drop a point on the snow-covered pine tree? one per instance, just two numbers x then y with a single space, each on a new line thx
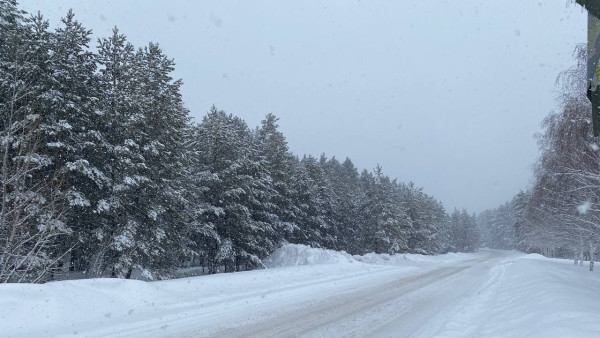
348 190
269 193
279 163
31 210
455 236
238 189
435 220
73 137
201 226
346 196
471 232
496 227
330 201
314 200
385 222
117 250
162 130
426 216
523 227
222 150
463 233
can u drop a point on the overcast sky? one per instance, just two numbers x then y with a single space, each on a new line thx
447 94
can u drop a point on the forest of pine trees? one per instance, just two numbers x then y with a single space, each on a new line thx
103 172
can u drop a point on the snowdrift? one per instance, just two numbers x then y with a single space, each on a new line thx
297 255
536 256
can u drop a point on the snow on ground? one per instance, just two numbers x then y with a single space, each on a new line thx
412 259
296 254
315 292
532 296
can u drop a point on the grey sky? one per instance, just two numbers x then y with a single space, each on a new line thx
447 94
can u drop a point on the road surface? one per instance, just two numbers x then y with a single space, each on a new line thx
416 305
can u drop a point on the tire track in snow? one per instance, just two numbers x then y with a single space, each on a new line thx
397 308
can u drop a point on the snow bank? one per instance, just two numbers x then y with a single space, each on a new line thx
535 256
296 254
200 305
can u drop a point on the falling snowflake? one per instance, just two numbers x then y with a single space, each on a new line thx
583 208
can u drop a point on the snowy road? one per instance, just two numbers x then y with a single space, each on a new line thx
319 293
415 305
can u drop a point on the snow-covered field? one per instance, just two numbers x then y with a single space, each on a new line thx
311 292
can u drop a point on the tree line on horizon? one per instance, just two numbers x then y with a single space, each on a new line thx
103 172
559 215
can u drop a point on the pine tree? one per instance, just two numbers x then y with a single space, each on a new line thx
463 233
202 228
279 163
386 224
117 251
455 237
426 215
496 227
31 210
237 188
344 182
472 234
313 201
162 131
146 131
72 137
521 223
350 193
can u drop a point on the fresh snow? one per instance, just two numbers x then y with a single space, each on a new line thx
296 254
532 296
315 292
